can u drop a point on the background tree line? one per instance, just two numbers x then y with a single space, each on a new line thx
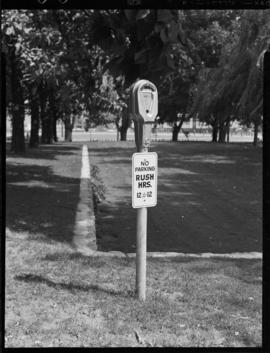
63 63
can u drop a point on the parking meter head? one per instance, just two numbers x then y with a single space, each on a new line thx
147 101
144 103
144 107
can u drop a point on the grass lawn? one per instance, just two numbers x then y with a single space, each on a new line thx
57 297
209 198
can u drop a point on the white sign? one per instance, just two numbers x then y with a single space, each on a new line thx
144 179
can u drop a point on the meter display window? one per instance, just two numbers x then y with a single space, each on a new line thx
147 101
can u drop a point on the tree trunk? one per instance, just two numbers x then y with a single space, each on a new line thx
117 129
222 133
177 128
55 138
42 101
123 133
255 138
17 141
62 128
214 133
117 134
46 118
34 137
53 115
228 130
175 132
49 127
42 116
68 129
125 125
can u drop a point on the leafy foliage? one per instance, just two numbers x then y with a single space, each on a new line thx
209 37
141 42
234 88
87 59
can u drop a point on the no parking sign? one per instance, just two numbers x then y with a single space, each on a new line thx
144 179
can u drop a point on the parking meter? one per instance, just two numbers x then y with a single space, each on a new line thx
144 109
143 106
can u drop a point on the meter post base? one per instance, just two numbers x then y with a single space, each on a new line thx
141 253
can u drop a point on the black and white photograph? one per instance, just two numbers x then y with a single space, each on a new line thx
133 176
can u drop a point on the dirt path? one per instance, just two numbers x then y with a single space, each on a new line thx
209 198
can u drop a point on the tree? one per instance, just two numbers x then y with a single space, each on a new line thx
85 64
15 28
174 102
31 55
210 107
250 105
234 88
44 74
208 33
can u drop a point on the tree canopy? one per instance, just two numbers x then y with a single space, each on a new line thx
61 63
233 90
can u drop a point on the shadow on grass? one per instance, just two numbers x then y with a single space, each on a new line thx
45 151
93 262
38 201
32 278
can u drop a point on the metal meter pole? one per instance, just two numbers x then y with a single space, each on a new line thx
141 248
143 104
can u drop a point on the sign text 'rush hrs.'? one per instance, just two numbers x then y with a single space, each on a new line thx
144 179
